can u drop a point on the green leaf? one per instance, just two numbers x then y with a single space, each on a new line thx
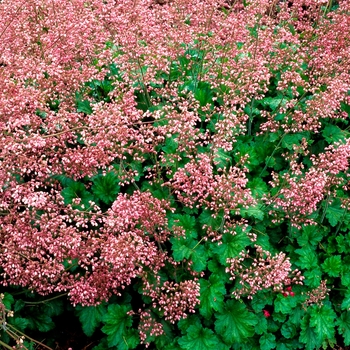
212 295
288 330
258 187
77 190
19 305
252 149
19 322
290 140
308 258
333 265
182 247
90 317
262 299
171 145
52 307
272 325
198 338
40 113
345 278
345 305
102 345
41 322
221 158
333 133
191 320
311 234
261 326
345 107
283 346
8 300
190 249
199 258
185 221
131 340
313 277
289 345
117 323
296 316
218 270
205 218
285 305
335 212
267 341
253 212
235 323
277 317
308 335
343 323
63 179
342 243
322 319
203 93
83 106
105 187
273 102
231 245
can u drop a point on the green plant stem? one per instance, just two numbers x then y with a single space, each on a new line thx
272 154
45 301
325 209
64 131
144 87
5 345
341 221
328 7
198 243
31 339
340 289
251 117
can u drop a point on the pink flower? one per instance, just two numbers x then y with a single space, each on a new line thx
266 313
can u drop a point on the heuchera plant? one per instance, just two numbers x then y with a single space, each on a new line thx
178 170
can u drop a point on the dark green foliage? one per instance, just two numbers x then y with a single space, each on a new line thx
198 338
105 187
90 317
117 326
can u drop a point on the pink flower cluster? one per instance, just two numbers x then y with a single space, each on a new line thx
197 185
301 192
43 251
174 300
317 295
148 327
263 272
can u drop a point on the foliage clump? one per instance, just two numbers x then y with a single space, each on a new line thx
160 158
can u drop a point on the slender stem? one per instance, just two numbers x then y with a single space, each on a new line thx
33 340
198 243
254 229
64 131
5 345
272 154
45 301
340 289
325 209
341 221
251 117
9 23
144 87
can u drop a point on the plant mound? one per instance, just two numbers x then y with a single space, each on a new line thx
176 173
